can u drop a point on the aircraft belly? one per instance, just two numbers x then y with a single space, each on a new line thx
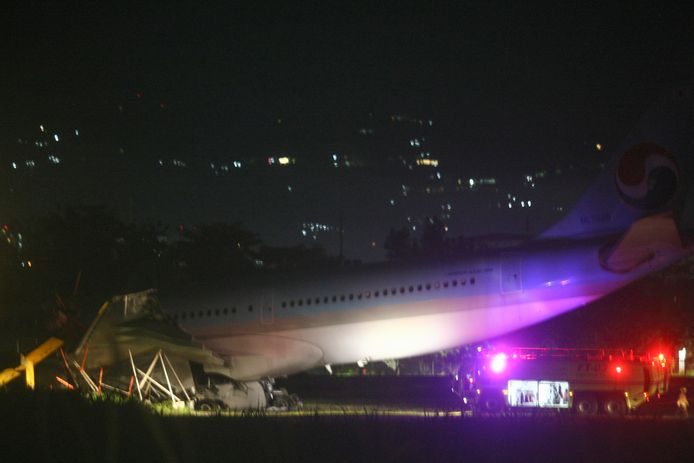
418 335
254 356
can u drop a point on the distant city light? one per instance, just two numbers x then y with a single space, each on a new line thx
77 132
471 182
237 164
598 146
54 159
427 162
56 137
41 127
14 165
283 160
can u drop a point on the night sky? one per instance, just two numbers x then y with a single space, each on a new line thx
508 84
491 71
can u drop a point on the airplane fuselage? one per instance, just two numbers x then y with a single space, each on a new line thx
383 312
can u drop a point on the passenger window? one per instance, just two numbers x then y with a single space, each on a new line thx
472 280
308 301
216 312
284 304
376 294
454 283
419 287
318 300
334 298
445 284
291 303
301 302
393 290
351 297
342 298
250 308
402 290
233 310
226 310
428 286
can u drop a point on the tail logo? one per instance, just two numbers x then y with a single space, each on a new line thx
647 176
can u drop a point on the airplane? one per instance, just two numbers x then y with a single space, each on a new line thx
627 225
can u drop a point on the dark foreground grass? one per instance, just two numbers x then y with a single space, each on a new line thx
64 427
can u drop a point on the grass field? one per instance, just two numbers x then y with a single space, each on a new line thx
52 426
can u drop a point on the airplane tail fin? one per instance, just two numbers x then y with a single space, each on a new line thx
646 175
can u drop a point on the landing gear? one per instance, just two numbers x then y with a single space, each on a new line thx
208 406
279 398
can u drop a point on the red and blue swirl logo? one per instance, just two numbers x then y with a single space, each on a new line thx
647 176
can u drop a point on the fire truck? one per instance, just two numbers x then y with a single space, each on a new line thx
585 381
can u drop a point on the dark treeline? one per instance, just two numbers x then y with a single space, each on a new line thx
432 243
70 261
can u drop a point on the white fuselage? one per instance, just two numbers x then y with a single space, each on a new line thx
389 312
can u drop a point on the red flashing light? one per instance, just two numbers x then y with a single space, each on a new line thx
618 369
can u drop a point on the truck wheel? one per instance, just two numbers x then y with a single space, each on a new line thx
586 406
614 406
492 404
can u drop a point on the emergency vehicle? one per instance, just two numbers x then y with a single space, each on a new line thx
586 381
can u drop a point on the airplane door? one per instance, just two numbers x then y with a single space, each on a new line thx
511 280
267 309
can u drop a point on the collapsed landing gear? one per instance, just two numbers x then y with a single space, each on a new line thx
208 406
279 398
